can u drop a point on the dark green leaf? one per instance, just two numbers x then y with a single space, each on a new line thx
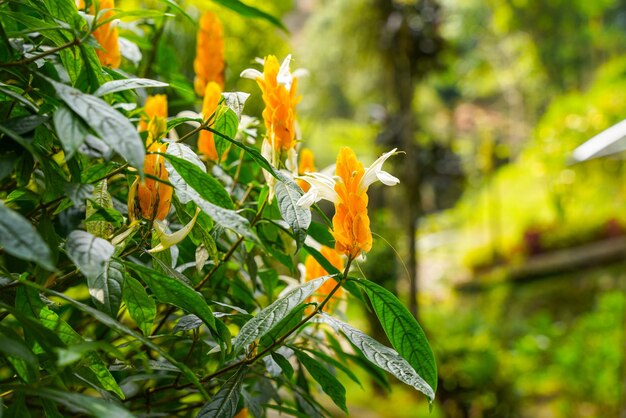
226 122
110 125
382 356
205 185
284 364
283 327
106 289
296 216
117 326
249 11
70 129
79 403
88 252
187 323
141 307
19 355
321 234
18 237
127 84
322 260
269 317
175 292
329 383
336 364
403 331
224 403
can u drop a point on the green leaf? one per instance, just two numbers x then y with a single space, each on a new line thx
141 307
180 10
89 253
24 124
187 323
282 327
30 301
192 184
236 101
249 11
106 289
110 125
403 331
322 260
283 363
78 403
329 383
18 237
296 216
172 123
100 217
320 233
19 355
253 153
175 292
205 185
224 403
267 318
127 84
226 122
382 356
336 364
121 328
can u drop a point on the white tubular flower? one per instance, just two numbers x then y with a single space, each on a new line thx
167 240
323 185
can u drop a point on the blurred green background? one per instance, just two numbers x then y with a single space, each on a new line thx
512 257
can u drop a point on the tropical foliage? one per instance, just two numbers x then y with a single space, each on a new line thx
151 261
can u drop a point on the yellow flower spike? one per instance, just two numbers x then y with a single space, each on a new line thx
306 165
155 106
209 62
348 191
154 197
279 87
167 240
314 270
206 142
106 34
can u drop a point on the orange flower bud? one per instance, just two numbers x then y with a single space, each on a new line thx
156 106
106 35
153 196
315 270
307 165
206 142
209 62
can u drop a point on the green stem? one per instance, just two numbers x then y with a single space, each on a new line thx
210 274
34 58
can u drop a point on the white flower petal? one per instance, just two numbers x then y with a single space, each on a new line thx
308 199
292 161
300 72
284 75
251 73
167 240
387 179
372 172
322 187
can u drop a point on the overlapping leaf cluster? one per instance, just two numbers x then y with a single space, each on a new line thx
93 318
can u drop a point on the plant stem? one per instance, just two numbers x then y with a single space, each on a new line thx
34 58
211 272
280 340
